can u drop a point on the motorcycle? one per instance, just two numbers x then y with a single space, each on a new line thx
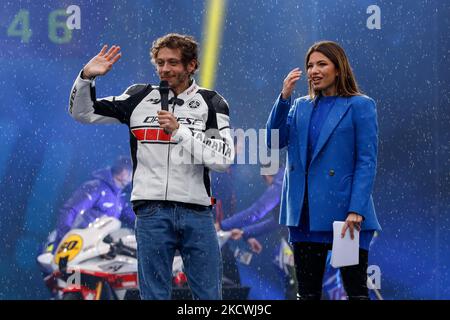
100 263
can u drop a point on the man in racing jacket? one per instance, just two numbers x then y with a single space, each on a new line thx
102 195
172 153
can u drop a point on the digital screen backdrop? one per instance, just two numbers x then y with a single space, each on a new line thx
403 64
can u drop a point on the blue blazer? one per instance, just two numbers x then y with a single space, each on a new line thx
342 171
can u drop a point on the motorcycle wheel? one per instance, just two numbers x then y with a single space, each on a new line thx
72 296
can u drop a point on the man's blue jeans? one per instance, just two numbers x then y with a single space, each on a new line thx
161 228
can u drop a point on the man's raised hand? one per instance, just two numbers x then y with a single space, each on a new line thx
102 62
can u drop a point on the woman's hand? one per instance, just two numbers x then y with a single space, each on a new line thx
102 62
352 222
289 83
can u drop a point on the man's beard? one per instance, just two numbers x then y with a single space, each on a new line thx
179 79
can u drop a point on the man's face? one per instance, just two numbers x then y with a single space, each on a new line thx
171 68
123 178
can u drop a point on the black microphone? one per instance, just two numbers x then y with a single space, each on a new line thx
164 93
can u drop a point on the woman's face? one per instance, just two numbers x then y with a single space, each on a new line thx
322 73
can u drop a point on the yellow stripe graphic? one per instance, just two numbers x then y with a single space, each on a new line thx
212 36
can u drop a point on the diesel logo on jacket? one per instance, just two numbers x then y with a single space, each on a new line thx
181 120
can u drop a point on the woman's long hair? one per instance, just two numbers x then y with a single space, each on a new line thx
346 85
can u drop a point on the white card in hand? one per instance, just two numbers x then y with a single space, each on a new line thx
345 251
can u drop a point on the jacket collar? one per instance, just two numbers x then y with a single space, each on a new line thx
334 117
303 128
187 94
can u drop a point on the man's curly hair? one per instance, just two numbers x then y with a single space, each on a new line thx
187 45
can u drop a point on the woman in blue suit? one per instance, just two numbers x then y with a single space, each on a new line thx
332 139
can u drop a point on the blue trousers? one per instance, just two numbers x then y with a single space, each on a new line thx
162 227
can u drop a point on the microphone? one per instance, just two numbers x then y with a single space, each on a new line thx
164 93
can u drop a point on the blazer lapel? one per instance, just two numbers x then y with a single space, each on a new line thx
337 112
303 118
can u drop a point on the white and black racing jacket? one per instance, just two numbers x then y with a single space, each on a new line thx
165 167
